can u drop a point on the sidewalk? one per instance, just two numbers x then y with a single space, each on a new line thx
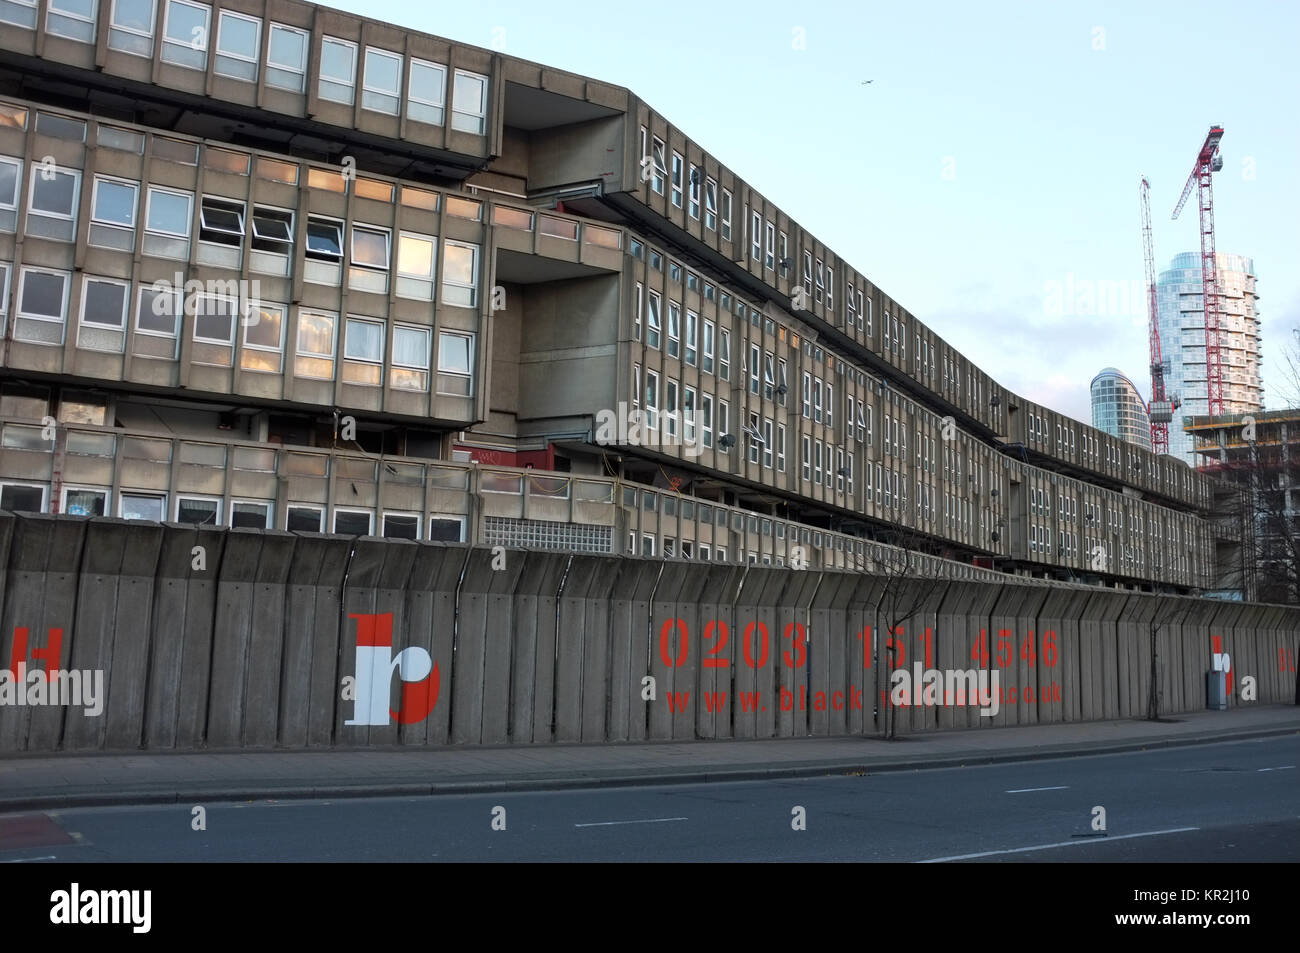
44 782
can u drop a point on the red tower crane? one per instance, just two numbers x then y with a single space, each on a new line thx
1161 409
1208 161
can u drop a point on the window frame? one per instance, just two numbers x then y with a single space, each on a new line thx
323 78
300 69
484 103
218 52
395 93
419 100
167 40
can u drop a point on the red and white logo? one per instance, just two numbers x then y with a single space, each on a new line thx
415 668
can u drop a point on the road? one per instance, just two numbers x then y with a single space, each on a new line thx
1237 801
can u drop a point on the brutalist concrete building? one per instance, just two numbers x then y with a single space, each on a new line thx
268 264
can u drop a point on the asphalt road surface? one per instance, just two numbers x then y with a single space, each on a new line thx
1234 802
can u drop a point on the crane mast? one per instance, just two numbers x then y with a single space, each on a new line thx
1161 409
1208 161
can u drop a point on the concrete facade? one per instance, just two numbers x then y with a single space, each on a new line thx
465 258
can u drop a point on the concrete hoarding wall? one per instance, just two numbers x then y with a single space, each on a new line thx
261 639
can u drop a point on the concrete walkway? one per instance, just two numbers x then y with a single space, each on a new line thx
44 782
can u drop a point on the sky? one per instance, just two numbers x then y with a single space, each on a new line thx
987 177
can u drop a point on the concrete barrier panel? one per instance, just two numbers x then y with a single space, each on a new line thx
311 660
431 614
41 591
231 637
794 655
180 648
830 649
630 659
264 673
719 650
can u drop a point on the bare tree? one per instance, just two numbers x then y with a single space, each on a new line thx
908 579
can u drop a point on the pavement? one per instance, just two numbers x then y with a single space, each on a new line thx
47 782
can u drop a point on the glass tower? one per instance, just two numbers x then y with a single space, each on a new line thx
1117 408
1182 340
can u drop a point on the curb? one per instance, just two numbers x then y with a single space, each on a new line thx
704 775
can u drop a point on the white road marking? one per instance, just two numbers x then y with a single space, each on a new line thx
1285 767
1059 787
652 820
1068 843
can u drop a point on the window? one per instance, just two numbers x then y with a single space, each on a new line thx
830 404
353 522
710 204
460 274
338 70
324 240
264 339
416 255
674 328
723 417
130 27
706 419
5 270
214 318
753 368
726 215
272 231
820 273
469 102
767 442
304 519
74 19
455 363
724 354
693 205
670 408
381 88
52 203
817 399
42 305
755 437
659 171
692 326
112 218
315 344
221 222
651 399
185 34
447 529
830 288
19 12
780 447
250 514
756 236
769 382
769 260
167 223
653 320
677 179
426 93
142 506
706 363
197 509
370 256
238 41
363 352
286 58
410 358
103 313
82 501
11 175
159 310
